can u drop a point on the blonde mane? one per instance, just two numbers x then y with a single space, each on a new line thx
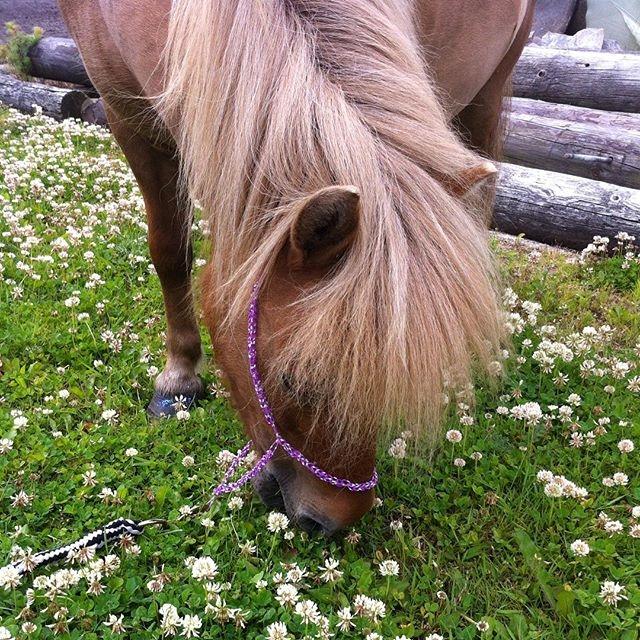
275 99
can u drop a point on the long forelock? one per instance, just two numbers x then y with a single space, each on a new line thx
335 92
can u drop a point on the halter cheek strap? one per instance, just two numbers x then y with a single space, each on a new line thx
226 486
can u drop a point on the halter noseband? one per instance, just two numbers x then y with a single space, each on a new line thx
226 486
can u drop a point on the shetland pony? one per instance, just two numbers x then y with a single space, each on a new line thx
336 148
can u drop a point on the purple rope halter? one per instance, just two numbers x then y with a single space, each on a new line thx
227 486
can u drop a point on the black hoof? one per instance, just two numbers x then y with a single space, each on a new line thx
166 405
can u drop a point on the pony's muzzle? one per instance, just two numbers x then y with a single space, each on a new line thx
306 500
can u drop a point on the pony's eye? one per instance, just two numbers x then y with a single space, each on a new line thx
287 383
301 397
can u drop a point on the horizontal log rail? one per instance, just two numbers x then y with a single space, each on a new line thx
559 209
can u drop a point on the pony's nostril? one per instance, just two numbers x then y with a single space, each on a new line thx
313 525
269 490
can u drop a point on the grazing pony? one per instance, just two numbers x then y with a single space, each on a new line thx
335 147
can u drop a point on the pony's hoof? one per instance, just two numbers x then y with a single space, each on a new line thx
166 405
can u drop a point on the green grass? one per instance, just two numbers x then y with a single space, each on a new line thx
478 543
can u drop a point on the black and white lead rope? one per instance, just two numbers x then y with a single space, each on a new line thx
110 532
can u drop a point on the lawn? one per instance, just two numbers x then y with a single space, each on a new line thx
523 523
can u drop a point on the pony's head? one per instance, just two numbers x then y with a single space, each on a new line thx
332 179
324 226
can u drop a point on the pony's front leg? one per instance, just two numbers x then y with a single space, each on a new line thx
168 218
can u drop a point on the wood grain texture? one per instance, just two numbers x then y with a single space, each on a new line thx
595 79
586 143
559 209
619 119
55 102
58 59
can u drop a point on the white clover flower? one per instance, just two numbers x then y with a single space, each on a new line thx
89 478
612 593
182 415
620 478
482 626
459 462
296 574
20 422
396 525
247 548
580 548
626 446
5 445
225 458
554 490
188 461
453 435
613 527
191 624
277 522
131 452
204 568
330 572
544 476
398 448
530 412
277 631
21 499
9 577
576 440
389 568
235 503
287 594
110 415
369 607
115 623
308 611
635 512
345 619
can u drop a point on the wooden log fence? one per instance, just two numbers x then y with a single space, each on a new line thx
594 79
575 112
599 145
58 59
55 102
555 208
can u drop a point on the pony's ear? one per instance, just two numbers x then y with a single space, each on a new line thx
324 227
473 177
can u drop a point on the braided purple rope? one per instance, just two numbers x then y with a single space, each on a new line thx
226 486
